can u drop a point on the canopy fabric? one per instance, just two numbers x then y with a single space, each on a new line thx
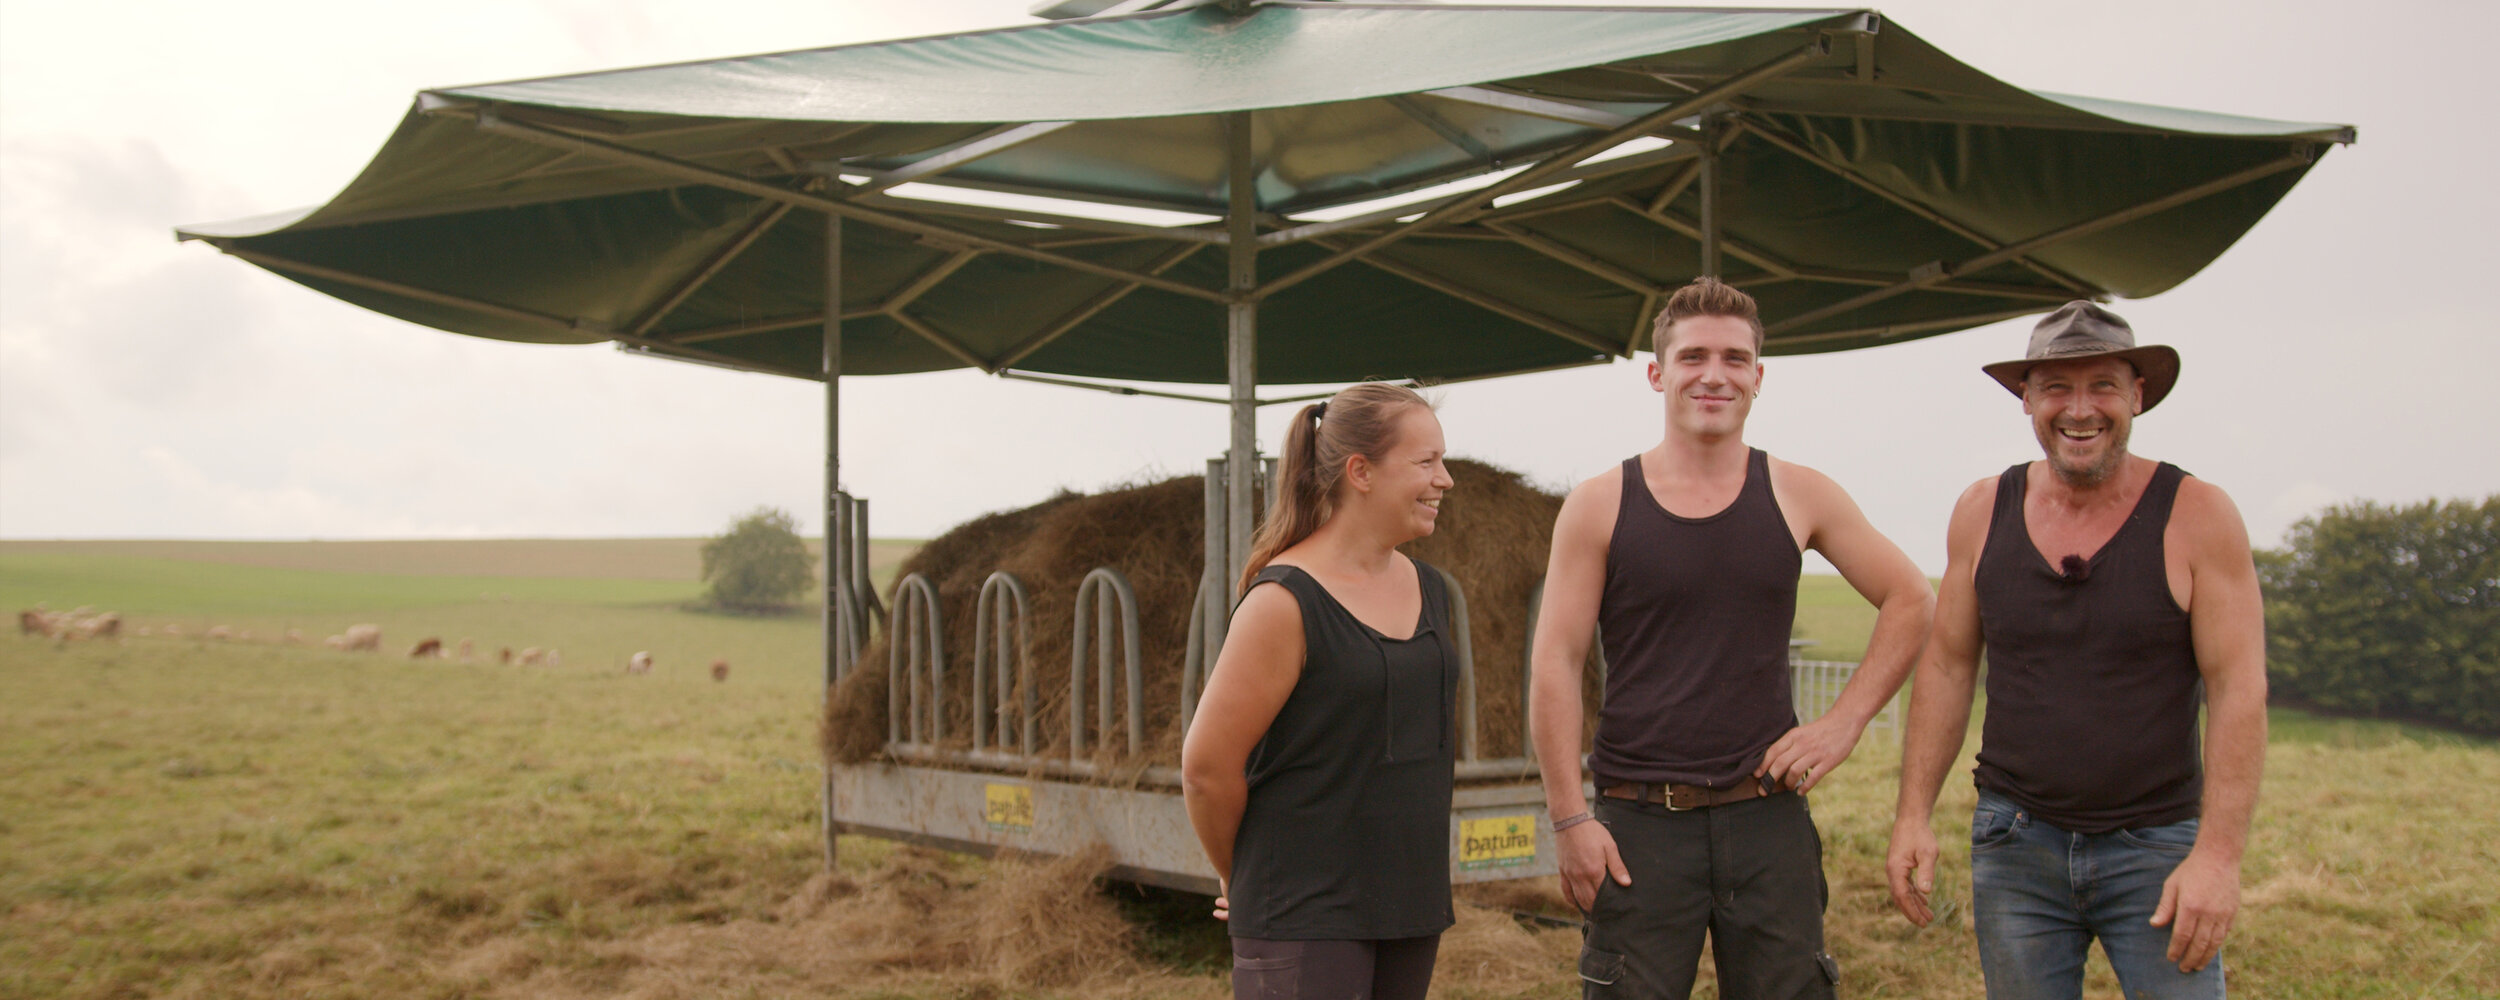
1864 186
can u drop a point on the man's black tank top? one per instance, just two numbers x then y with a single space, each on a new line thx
1695 622
2092 676
1346 835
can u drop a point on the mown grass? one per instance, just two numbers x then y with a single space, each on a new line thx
194 819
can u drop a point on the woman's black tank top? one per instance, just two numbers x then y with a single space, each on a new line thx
1695 620
1346 835
2092 676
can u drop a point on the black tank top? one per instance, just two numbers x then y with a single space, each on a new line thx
1695 621
1346 835
2092 676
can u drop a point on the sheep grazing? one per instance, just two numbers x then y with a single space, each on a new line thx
173 631
533 656
243 635
503 655
335 642
293 637
639 663
554 658
364 638
720 670
468 651
35 621
145 631
104 626
218 632
426 648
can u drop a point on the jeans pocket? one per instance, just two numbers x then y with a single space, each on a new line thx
1267 978
2170 838
1600 968
1992 826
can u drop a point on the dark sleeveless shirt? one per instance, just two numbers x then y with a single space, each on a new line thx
1346 835
1695 621
2092 676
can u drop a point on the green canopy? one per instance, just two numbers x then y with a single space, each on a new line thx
1863 185
1291 174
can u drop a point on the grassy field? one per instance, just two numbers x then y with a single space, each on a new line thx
199 819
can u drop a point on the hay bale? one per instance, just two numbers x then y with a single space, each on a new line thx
1493 533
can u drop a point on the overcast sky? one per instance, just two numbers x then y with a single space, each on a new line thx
2342 351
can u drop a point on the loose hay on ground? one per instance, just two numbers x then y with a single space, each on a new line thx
918 923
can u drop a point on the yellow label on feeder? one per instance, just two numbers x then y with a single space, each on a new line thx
1007 808
1496 842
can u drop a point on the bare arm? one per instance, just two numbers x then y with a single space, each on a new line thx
1575 578
1940 702
1887 578
2226 621
1257 670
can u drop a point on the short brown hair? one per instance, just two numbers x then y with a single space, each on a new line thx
1705 296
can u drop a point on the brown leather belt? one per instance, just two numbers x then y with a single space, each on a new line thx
1678 798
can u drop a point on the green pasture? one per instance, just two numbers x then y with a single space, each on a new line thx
199 819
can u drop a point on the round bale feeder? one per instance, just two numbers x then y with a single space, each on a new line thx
1412 190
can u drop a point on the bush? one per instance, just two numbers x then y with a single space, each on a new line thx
2390 611
760 564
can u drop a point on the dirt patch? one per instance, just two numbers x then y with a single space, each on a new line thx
919 923
1493 533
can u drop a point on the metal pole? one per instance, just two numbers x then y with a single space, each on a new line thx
1710 128
1241 355
835 570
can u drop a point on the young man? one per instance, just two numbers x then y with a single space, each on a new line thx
1685 560
2106 589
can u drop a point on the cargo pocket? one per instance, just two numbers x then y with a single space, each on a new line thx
1267 978
1600 970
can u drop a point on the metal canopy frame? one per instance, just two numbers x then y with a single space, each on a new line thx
1712 112
1698 128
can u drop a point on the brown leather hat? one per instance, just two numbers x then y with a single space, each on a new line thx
2081 329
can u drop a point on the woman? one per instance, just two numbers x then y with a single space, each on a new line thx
1318 767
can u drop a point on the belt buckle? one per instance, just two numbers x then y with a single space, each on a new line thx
1666 797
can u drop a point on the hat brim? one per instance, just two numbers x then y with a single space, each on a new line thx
2156 363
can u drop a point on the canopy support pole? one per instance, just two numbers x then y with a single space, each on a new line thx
835 641
1241 348
1711 127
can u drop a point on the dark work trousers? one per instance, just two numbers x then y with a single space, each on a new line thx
1396 969
1748 874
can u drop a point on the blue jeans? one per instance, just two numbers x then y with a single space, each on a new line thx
2040 895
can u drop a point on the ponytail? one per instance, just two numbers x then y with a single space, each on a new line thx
1360 419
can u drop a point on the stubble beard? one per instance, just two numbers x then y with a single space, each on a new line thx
2096 472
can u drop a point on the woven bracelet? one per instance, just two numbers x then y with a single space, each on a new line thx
1573 820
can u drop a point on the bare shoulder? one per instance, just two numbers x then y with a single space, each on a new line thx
1593 502
1803 490
1967 532
1976 499
2204 516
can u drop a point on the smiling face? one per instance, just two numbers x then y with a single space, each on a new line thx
1406 481
2082 411
1709 370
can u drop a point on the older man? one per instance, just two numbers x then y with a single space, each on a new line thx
2111 594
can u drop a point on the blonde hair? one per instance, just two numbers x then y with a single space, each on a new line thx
1361 419
1705 296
